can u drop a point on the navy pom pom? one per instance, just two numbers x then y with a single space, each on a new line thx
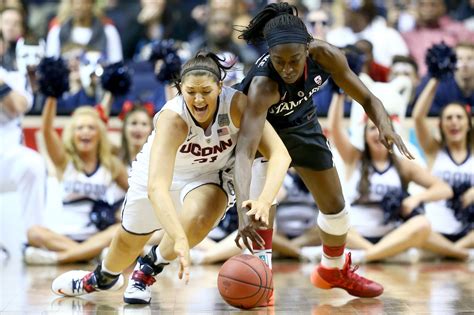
465 215
53 77
441 60
164 50
116 79
392 205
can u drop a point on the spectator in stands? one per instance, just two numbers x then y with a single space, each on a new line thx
405 66
22 169
80 28
401 15
465 13
124 15
453 88
40 13
386 220
12 27
87 171
361 22
433 26
450 158
218 38
318 22
157 23
376 71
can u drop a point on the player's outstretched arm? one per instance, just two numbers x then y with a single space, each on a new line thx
273 149
334 61
54 145
261 95
170 133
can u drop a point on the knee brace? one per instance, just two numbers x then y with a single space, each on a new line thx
334 224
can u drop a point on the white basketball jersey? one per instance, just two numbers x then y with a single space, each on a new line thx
444 167
79 191
367 219
202 151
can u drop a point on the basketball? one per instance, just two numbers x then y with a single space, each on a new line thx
245 281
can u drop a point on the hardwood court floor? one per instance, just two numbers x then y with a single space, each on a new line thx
427 288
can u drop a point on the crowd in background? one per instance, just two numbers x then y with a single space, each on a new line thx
390 43
393 37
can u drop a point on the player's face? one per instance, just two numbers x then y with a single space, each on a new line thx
137 128
200 93
86 134
289 60
372 138
454 123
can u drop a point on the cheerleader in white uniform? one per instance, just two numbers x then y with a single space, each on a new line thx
449 158
181 183
86 170
385 220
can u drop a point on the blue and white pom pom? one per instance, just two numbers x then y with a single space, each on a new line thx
441 60
165 50
116 79
53 77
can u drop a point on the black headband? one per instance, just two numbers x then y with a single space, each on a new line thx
288 35
202 68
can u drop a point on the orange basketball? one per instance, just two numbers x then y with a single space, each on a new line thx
245 281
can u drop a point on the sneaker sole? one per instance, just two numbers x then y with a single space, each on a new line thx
319 282
135 301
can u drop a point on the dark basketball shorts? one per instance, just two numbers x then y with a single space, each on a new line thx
307 145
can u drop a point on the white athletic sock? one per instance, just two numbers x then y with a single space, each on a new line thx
265 255
332 262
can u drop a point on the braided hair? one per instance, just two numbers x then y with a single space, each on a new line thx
275 16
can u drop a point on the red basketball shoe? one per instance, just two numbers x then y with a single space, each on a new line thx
345 278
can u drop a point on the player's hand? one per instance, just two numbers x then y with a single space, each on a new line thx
467 198
389 137
247 231
259 210
181 248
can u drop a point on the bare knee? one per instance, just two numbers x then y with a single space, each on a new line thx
422 229
37 235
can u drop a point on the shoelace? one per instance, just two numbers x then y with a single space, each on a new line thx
356 281
141 280
77 285
83 284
